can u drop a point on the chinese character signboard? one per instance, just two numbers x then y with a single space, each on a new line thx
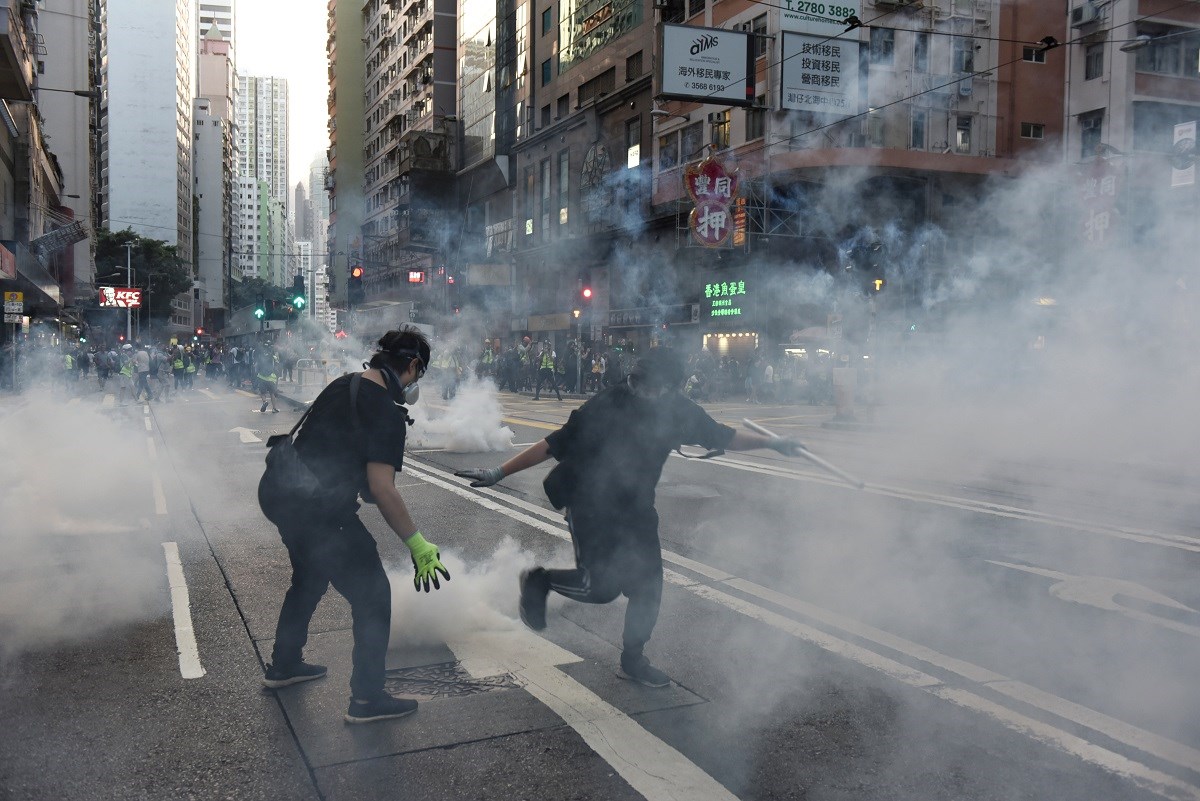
115 297
818 18
1098 189
819 75
707 65
724 299
713 188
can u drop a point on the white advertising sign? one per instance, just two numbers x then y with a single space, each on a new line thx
1183 160
707 65
817 18
819 75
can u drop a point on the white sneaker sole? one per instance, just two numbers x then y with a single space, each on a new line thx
623 675
348 718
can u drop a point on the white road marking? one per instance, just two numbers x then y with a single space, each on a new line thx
209 393
246 434
147 422
185 635
1102 592
1145 536
74 401
649 765
151 449
145 408
1119 731
109 401
160 497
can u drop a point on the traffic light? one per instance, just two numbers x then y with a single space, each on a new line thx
586 293
260 308
298 294
354 287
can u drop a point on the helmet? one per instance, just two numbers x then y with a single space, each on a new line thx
127 346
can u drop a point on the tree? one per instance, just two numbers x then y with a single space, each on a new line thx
248 290
157 268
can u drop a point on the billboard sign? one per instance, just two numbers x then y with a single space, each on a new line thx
707 65
714 189
817 18
115 297
819 75
1183 155
8 263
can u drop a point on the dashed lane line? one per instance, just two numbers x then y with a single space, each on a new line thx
146 420
1119 731
208 393
185 634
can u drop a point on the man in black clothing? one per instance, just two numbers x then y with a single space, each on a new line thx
610 456
353 443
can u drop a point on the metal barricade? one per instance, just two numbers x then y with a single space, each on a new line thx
313 370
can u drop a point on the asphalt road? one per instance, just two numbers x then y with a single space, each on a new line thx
950 632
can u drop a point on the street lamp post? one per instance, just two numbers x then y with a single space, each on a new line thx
128 282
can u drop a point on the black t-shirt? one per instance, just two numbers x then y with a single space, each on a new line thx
335 451
617 443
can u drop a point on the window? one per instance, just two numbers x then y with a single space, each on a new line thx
921 53
1093 64
917 140
545 115
720 129
564 188
691 139
547 21
545 72
964 54
756 119
633 143
633 66
530 185
758 27
1091 129
564 106
1175 53
883 46
1034 55
1033 130
668 151
695 7
962 135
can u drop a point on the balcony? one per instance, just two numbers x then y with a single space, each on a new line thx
16 60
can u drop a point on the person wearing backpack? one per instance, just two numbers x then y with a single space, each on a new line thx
350 443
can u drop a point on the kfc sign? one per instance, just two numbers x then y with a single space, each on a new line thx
115 297
713 188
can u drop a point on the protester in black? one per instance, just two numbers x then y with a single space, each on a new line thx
353 442
611 454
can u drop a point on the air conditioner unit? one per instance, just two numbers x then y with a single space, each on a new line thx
1084 14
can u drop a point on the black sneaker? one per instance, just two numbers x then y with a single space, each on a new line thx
382 707
263 410
641 671
534 589
282 676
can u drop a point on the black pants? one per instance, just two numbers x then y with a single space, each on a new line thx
143 385
616 555
546 374
342 553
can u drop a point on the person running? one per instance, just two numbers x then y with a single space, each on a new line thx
267 380
352 440
611 453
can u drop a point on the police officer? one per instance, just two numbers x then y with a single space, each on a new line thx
546 372
353 442
610 455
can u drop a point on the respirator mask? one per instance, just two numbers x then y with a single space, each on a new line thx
403 394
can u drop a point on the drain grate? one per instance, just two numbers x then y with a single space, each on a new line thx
443 680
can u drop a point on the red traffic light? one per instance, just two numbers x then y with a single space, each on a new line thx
587 293
199 332
356 272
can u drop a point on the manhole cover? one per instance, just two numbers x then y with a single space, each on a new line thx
443 680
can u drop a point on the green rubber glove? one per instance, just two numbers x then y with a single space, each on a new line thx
426 564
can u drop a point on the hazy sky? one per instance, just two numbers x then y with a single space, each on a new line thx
287 40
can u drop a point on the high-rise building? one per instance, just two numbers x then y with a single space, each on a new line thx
346 171
263 133
223 15
215 165
149 81
318 199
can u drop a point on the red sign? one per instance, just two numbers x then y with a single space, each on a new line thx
416 276
115 297
8 263
713 188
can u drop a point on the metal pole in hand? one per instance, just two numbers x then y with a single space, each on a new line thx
807 454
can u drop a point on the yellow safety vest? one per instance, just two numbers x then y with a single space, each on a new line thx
547 361
177 364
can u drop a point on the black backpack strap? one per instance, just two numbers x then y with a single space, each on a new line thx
709 455
355 381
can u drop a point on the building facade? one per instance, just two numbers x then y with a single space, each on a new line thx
214 213
347 84
262 135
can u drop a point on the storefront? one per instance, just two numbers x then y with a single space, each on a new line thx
642 328
730 314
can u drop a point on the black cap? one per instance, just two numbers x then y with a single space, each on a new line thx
661 367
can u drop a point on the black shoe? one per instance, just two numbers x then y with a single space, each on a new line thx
263 410
282 676
382 707
641 671
534 589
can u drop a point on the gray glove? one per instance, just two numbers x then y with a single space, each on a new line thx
786 446
482 476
